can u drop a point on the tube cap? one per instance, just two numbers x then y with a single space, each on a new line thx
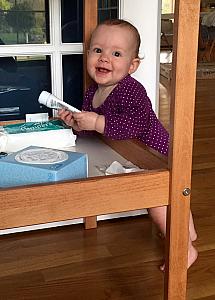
43 97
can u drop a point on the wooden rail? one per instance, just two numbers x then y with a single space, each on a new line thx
37 204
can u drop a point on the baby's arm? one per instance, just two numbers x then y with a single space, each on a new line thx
90 121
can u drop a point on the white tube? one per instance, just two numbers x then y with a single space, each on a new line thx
51 101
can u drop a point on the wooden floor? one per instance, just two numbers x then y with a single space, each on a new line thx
119 259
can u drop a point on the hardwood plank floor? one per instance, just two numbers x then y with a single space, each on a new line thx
120 259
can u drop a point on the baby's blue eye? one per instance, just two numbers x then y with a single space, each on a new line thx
97 50
116 53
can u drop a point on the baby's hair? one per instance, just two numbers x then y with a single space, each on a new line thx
123 23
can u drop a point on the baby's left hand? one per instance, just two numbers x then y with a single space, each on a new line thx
86 120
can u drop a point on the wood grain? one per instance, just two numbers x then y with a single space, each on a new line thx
181 144
90 22
94 196
138 153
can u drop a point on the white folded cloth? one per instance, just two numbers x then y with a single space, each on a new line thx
117 168
56 139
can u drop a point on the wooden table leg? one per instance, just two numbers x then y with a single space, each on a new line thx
90 222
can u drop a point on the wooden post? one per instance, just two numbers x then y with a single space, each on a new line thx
90 22
185 46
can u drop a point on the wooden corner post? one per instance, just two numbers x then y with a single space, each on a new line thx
90 19
185 46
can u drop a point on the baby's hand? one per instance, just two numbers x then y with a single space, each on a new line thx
86 120
66 116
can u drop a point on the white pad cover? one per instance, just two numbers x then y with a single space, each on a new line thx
56 139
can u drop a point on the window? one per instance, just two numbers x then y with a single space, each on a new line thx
24 22
22 78
167 6
41 48
72 21
107 9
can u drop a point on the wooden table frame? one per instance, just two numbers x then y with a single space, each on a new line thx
66 200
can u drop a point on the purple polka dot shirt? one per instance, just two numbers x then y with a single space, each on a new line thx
128 114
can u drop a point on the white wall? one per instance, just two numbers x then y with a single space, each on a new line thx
145 15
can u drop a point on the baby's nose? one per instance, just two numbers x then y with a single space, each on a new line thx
104 58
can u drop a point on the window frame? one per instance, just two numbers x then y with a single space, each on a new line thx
55 49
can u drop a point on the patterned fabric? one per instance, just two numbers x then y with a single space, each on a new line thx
128 114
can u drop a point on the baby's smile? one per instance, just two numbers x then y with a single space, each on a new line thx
103 70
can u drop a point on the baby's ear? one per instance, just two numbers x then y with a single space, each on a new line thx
134 65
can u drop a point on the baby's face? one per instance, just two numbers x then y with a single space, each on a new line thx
112 54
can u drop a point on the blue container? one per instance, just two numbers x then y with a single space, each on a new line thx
34 165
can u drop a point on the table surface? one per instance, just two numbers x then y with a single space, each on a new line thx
100 155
